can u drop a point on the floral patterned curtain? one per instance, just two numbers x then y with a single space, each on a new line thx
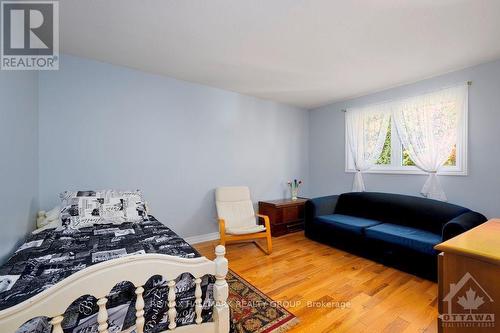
427 127
366 132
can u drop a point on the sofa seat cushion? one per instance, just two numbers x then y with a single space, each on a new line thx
412 238
346 222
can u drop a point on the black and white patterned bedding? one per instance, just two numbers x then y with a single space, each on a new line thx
54 254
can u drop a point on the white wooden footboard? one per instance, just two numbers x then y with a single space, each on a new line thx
99 279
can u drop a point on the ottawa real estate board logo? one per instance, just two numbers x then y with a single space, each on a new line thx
468 305
29 35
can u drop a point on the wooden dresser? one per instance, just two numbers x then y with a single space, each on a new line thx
469 281
285 215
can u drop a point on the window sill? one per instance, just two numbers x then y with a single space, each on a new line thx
413 171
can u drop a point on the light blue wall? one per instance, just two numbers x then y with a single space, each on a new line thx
480 190
104 126
18 162
101 125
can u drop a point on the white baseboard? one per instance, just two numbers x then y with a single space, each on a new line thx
202 238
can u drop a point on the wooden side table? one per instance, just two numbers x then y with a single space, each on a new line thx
285 215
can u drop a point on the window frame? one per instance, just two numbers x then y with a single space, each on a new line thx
396 167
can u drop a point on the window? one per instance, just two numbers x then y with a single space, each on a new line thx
395 159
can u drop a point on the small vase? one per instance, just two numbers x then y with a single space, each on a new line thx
295 193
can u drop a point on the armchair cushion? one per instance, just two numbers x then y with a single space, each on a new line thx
235 207
232 193
244 231
237 214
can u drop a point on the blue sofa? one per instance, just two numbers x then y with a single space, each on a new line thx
387 224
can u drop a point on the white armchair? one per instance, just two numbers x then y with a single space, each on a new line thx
237 218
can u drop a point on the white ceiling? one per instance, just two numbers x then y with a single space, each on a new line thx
303 53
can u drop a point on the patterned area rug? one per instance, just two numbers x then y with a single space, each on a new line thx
254 312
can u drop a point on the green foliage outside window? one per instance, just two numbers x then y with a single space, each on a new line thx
407 159
452 160
385 156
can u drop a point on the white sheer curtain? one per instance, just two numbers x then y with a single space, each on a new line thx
366 132
427 127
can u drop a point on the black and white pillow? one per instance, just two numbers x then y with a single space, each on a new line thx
85 208
80 209
123 206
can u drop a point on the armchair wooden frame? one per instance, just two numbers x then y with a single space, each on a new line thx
226 238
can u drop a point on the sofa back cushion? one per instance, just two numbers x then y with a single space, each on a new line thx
400 209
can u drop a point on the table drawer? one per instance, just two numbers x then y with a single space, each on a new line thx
292 213
285 215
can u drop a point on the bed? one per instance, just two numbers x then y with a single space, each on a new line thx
128 277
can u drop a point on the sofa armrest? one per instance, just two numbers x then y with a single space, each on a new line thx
320 206
461 224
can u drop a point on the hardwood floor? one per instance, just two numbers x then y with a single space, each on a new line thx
312 280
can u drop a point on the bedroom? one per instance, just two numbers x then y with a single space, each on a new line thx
180 98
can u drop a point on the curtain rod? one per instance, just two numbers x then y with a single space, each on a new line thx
469 83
